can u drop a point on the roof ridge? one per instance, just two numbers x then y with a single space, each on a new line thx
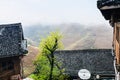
11 24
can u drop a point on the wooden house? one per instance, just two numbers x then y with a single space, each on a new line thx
98 61
13 47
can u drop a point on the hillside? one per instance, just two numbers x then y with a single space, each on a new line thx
29 59
76 36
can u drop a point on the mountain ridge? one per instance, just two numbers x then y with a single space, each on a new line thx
76 36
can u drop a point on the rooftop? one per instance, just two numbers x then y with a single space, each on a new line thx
97 61
109 7
11 38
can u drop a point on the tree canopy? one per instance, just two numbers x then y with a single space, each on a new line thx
47 67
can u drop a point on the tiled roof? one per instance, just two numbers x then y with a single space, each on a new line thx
108 7
97 61
11 36
102 3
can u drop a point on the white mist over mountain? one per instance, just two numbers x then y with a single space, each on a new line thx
30 12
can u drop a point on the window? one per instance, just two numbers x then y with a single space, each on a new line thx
7 65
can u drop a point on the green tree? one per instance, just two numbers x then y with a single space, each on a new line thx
47 68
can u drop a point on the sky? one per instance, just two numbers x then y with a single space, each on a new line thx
31 12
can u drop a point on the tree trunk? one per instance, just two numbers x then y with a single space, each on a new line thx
52 66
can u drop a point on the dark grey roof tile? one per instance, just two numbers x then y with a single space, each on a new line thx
97 61
11 36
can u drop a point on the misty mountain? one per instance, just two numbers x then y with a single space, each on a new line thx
76 36
36 32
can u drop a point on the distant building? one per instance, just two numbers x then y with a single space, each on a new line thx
13 47
98 61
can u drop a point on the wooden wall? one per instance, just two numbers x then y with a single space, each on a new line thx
116 43
9 67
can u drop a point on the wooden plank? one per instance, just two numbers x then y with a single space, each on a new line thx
116 42
118 24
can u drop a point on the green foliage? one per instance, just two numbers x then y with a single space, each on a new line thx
47 45
47 68
42 68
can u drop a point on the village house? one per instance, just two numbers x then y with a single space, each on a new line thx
99 62
13 47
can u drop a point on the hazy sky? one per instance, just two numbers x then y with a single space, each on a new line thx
30 12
